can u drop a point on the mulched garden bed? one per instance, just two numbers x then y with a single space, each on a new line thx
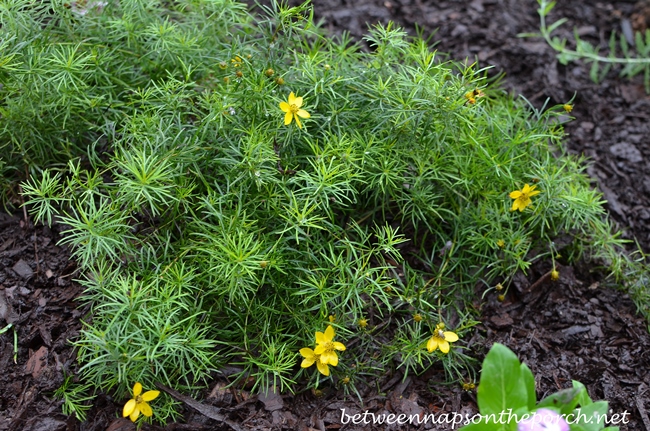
578 328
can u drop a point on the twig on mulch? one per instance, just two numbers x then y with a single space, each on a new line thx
204 409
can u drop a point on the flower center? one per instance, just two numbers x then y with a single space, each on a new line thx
523 197
441 334
138 399
329 346
293 108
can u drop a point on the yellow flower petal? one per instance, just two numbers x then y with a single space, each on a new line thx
134 414
533 193
307 352
296 101
450 336
323 368
319 349
285 106
128 408
329 333
302 113
308 362
444 346
297 120
145 409
339 346
137 389
432 344
292 98
150 395
287 118
515 194
320 339
329 358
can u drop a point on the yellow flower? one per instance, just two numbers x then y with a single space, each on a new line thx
501 243
555 275
292 110
468 386
567 107
441 339
311 358
326 348
472 95
138 404
522 197
417 317
363 323
332 318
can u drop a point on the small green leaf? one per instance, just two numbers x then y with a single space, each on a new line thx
547 8
638 40
529 35
555 25
624 47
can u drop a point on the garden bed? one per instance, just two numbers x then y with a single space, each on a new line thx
578 328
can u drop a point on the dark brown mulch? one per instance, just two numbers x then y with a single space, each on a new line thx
575 329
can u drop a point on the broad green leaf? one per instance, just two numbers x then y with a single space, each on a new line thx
501 386
591 417
583 397
565 400
502 421
529 381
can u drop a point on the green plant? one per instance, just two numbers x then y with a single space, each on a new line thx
634 61
507 400
76 400
211 230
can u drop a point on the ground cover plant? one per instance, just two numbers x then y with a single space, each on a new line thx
235 200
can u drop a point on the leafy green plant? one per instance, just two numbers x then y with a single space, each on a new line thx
228 190
75 397
507 400
634 60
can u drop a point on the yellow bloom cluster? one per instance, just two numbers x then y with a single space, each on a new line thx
325 352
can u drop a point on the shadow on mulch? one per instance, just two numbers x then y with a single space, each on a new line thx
575 329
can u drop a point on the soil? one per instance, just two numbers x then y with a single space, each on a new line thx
575 329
